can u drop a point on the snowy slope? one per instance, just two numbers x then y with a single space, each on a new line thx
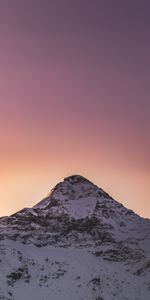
77 243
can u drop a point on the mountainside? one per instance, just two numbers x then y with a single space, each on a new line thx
76 244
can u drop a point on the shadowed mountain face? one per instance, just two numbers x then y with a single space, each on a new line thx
82 223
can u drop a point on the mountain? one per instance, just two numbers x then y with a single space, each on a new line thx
76 244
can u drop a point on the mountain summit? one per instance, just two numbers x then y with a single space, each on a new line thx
77 243
76 196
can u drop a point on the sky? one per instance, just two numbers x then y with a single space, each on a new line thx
74 98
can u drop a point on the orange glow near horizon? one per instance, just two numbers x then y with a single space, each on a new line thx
29 181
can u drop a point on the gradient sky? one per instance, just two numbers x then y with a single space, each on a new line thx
74 98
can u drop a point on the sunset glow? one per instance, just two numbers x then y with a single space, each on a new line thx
74 99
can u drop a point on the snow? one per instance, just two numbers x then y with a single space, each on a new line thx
72 196
72 274
80 208
65 274
76 244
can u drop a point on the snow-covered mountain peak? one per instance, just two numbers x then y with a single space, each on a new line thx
74 186
75 206
75 196
77 179
77 243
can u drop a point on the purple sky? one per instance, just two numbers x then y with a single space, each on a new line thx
74 79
